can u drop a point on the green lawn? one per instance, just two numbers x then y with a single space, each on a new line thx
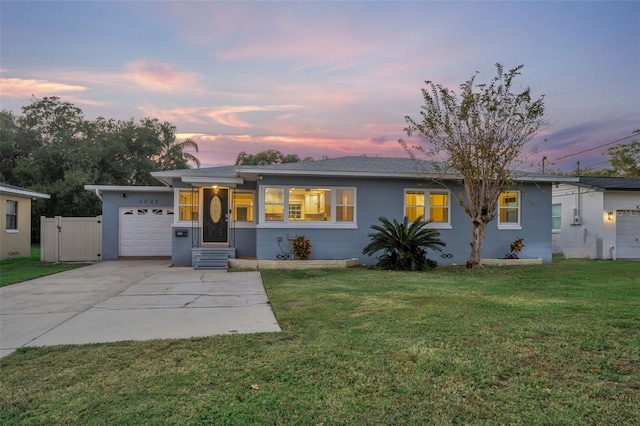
552 344
27 268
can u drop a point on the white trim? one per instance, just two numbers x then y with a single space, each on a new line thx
509 227
308 225
23 192
12 231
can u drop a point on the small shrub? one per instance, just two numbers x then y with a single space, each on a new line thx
301 247
404 244
515 247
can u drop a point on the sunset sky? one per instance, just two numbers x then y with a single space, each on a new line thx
323 78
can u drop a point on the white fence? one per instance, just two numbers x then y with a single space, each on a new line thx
70 239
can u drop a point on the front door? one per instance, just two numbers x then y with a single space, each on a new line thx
215 214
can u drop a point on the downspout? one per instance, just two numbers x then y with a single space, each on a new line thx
577 218
98 194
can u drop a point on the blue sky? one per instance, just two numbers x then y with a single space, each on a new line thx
323 78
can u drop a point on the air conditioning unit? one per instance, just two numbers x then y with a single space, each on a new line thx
576 220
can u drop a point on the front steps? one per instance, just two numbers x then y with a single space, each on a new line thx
212 258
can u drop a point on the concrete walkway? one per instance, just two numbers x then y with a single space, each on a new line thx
131 300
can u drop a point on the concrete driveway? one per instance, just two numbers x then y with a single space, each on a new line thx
131 300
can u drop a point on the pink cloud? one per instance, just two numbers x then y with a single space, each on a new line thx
22 87
224 148
225 115
160 76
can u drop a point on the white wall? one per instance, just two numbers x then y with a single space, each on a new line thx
581 240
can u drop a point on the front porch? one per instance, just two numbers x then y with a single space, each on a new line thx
212 257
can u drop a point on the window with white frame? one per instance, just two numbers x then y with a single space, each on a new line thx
274 204
309 204
12 215
345 205
509 210
187 205
432 204
556 217
243 206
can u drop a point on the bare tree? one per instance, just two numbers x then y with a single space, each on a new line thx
481 133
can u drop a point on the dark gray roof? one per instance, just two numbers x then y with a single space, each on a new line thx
350 165
373 167
611 183
218 171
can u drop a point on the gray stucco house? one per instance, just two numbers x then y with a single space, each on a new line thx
200 217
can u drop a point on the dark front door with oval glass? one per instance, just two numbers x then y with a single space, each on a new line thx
216 209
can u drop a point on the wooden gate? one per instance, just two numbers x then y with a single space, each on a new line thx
70 239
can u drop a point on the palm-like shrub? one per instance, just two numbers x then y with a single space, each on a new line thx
404 244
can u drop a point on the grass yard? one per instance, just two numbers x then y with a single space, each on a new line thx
27 268
551 344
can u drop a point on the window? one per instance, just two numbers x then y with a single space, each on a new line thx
243 206
509 210
187 205
12 215
345 205
274 204
556 217
439 206
414 204
432 205
311 205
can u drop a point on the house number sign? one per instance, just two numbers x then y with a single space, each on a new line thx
148 201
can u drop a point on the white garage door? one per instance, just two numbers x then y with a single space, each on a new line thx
628 234
145 231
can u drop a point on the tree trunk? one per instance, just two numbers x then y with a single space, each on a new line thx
478 231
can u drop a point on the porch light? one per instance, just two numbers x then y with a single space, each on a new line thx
610 216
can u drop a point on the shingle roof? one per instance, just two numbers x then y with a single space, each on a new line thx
353 165
612 183
343 166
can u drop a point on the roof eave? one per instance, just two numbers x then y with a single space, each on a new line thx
120 188
24 193
213 180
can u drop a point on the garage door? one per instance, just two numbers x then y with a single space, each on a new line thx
145 231
628 234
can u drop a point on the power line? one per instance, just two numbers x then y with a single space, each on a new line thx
594 148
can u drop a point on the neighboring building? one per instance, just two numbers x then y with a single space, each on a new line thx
15 234
253 211
597 218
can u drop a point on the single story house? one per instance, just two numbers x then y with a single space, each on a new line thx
597 218
254 211
15 233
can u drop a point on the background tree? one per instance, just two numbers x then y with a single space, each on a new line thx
482 133
269 156
173 155
625 159
52 148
